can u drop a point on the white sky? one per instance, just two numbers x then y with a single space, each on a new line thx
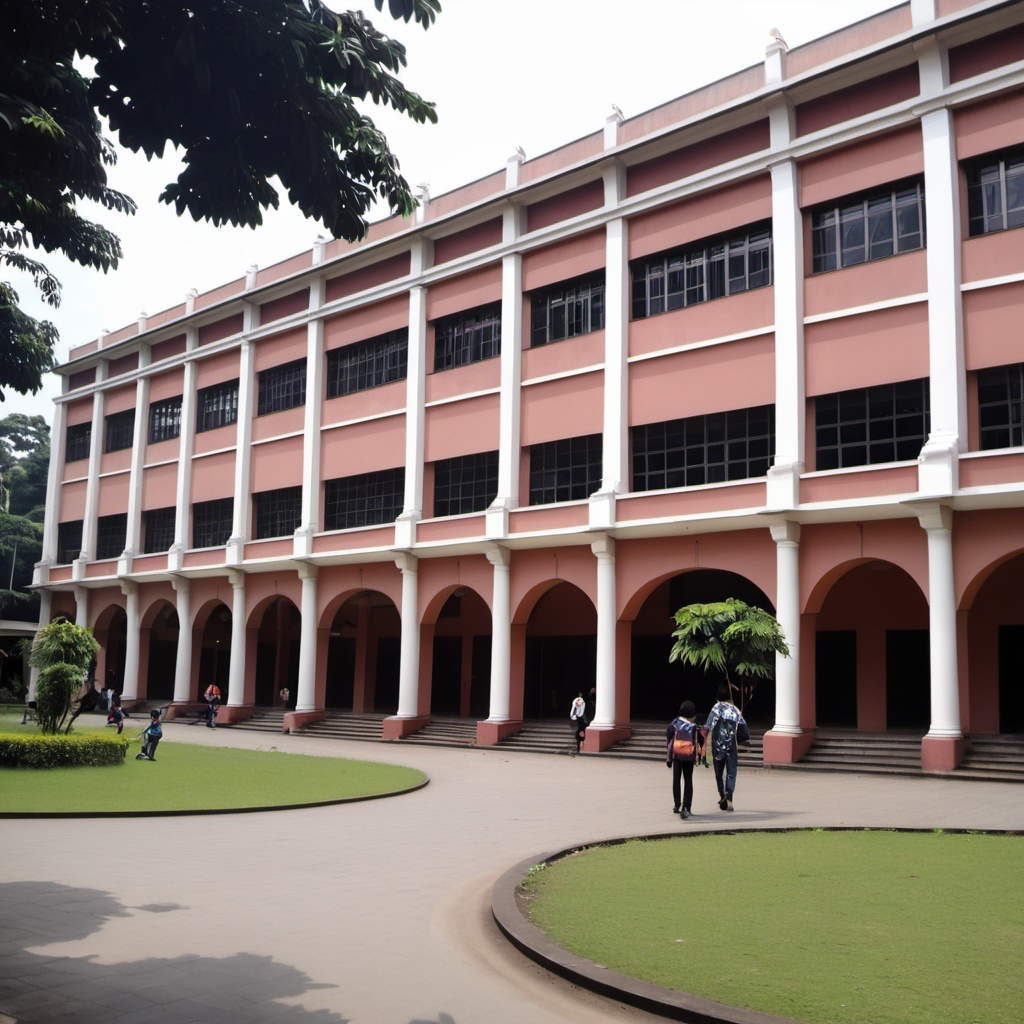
503 73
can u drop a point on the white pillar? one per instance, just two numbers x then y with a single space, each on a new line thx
183 657
236 670
81 606
306 697
130 686
787 612
604 715
937 520
186 444
501 634
51 515
92 487
310 523
133 533
415 416
235 553
409 665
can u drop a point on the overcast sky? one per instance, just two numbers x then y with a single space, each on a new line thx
503 73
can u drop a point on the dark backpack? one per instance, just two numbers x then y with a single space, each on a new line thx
683 746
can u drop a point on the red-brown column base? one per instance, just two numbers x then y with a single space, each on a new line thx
490 733
942 753
786 748
294 720
601 739
396 728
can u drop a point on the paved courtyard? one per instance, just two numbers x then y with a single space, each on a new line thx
374 912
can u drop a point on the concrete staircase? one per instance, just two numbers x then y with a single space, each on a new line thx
365 728
445 732
887 753
262 720
546 736
993 758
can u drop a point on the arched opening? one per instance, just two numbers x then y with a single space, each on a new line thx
163 652
111 631
214 649
561 651
461 663
277 653
657 687
363 655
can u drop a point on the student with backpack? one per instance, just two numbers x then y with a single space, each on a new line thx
151 736
727 728
685 749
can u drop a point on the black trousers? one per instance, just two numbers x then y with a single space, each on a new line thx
684 769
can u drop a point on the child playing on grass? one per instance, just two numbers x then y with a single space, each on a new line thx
151 736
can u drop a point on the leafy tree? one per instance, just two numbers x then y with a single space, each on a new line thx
62 651
730 637
250 90
24 463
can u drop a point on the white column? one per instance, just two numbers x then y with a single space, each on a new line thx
305 699
235 553
415 412
133 534
92 487
186 444
787 612
45 611
409 665
130 687
81 606
236 671
501 634
51 516
183 657
937 520
310 523
604 715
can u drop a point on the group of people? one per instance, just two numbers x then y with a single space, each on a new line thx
725 730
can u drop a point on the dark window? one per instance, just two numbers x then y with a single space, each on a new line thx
159 523
702 272
995 191
119 431
282 387
277 512
212 522
165 420
1001 406
567 310
79 437
468 483
367 364
368 499
566 470
885 423
868 227
734 445
217 406
69 541
111 532
467 337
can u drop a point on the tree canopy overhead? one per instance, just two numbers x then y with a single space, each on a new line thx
248 90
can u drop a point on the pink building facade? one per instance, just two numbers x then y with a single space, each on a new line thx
763 341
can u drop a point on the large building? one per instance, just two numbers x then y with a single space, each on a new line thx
764 341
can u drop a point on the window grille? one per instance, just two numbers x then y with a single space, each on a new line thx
468 483
165 420
217 406
111 532
77 442
368 364
277 513
69 541
995 192
565 470
567 310
281 387
368 499
212 522
159 530
1001 406
467 337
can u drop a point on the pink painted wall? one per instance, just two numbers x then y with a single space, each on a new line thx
119 400
848 40
210 333
168 349
987 256
876 281
362 447
113 496
544 517
217 369
989 125
379 272
276 464
874 94
165 385
992 471
562 261
296 302
273 424
464 291
215 295
581 352
126 364
875 482
564 156
985 54
461 243
213 476
159 486
72 501
282 269
992 322
704 500
568 407
462 380
461 428
565 205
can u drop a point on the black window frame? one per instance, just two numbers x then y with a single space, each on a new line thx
470 336
281 387
383 359
995 191
713 448
702 271
165 419
868 226
119 431
364 499
212 520
158 527
1001 407
77 442
217 406
568 309
465 483
869 426
276 513
69 541
111 535
569 469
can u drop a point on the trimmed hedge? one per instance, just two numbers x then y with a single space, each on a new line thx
44 751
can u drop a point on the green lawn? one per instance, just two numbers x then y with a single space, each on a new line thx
827 927
187 776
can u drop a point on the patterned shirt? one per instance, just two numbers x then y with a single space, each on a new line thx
722 724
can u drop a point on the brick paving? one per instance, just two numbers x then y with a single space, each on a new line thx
374 912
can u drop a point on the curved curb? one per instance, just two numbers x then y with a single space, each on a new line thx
665 1002
186 812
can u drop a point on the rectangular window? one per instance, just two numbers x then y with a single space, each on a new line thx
467 337
119 432
217 406
867 426
165 420
566 470
69 541
277 513
281 387
159 530
111 533
368 499
368 364
1001 406
995 191
868 227
78 440
720 446
468 483
567 310
702 271
211 522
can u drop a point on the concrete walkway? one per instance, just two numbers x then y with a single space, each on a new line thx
374 912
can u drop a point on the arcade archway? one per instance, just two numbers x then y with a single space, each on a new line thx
363 655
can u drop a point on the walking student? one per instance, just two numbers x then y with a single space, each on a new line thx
726 727
578 720
685 748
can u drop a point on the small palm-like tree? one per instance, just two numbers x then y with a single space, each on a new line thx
61 651
731 637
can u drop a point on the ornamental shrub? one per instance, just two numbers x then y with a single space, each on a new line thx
55 691
61 650
57 751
